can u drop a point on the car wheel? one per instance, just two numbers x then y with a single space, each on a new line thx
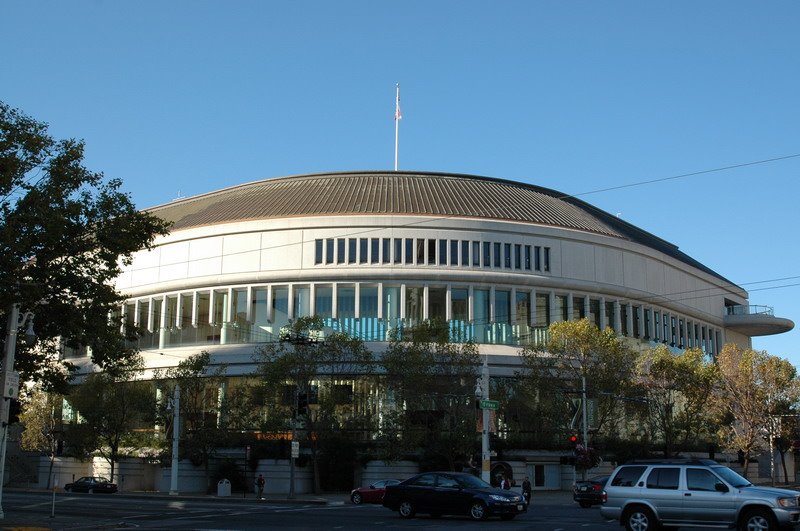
507 516
406 509
356 498
90 491
758 520
68 489
585 505
640 519
477 511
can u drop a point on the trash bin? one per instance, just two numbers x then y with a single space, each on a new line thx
224 488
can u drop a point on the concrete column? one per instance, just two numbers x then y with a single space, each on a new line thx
491 305
402 301
640 315
471 304
163 334
617 318
629 318
512 314
312 300
357 296
425 299
603 320
553 317
334 297
380 297
448 301
533 307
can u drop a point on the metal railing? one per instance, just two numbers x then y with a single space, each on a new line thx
749 310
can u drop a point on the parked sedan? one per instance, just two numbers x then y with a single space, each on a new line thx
438 493
373 493
91 485
589 492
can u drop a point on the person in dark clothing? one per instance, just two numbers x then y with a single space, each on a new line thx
526 489
260 484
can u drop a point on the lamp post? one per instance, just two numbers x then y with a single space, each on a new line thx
482 392
10 379
175 403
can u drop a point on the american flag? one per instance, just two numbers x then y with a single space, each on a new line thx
397 115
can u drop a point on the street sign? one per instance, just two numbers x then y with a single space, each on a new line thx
489 404
11 385
295 449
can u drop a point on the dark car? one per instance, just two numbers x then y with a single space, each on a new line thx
589 492
438 493
373 493
91 485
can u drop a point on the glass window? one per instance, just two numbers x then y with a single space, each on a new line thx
387 251
561 307
487 254
481 306
329 251
398 250
260 307
409 251
375 250
280 306
623 312
363 243
528 257
701 479
345 302
340 251
594 311
454 252
542 310
517 256
507 255
636 311
447 482
302 302
647 320
610 314
663 478
502 306
323 301
391 303
537 258
432 252
523 308
578 311
368 303
547 258
628 476
420 251
476 254
414 303
496 249
437 303
425 480
459 300
317 251
351 251
442 252
464 253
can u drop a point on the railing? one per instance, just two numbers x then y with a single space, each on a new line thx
364 328
750 310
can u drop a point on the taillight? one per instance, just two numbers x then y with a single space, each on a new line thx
604 496
597 487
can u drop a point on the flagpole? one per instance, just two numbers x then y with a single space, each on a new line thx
396 125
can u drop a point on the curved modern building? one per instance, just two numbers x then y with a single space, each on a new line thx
372 251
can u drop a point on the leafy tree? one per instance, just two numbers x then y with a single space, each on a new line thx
432 382
41 418
578 350
65 233
300 365
113 407
678 388
754 387
206 417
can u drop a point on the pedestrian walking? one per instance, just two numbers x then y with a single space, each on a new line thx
260 485
526 489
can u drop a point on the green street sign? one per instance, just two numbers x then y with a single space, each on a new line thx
489 404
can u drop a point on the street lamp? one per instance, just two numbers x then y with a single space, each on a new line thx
10 379
482 392
175 405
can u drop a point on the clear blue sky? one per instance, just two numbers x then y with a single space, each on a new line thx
185 97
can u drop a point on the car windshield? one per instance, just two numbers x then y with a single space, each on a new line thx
473 482
731 477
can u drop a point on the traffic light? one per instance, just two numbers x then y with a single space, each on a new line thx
302 404
573 438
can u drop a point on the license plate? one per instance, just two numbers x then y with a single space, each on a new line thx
519 507
584 489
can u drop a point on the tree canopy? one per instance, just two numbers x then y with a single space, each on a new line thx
65 234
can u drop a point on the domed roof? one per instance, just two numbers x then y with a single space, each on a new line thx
404 193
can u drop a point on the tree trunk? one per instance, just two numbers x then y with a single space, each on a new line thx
53 458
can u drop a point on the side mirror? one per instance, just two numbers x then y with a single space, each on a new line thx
720 487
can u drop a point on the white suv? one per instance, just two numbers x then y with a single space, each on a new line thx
649 495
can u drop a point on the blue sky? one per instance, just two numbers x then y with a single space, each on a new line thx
178 98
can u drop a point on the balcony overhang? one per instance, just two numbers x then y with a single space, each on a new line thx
760 324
